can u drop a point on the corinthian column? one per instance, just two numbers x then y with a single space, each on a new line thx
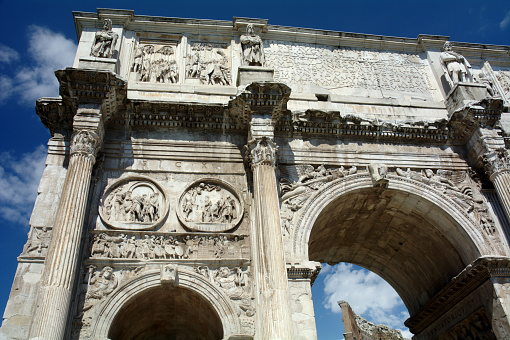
62 259
497 165
274 321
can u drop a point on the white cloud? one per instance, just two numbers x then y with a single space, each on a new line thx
48 51
7 54
19 179
368 295
506 20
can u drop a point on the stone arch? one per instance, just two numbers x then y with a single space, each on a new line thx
450 233
186 279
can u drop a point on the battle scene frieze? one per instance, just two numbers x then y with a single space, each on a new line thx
134 203
210 63
155 62
210 205
191 246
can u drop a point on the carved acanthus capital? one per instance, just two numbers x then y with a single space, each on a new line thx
261 151
496 161
265 98
86 143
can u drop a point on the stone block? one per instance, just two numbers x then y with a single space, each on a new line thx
251 74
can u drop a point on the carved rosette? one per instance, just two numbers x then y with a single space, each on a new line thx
133 203
496 162
261 151
210 205
86 143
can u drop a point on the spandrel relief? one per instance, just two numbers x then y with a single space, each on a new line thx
210 63
155 63
210 205
133 204
345 69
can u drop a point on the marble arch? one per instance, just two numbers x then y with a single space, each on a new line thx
444 238
152 279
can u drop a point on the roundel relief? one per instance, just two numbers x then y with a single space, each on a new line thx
210 205
134 203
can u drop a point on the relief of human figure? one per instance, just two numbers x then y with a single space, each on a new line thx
104 41
456 68
100 284
253 52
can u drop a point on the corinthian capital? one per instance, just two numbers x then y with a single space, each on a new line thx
261 151
496 161
86 143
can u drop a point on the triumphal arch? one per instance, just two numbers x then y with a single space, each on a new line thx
199 172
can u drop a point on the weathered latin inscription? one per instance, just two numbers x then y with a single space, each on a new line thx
333 68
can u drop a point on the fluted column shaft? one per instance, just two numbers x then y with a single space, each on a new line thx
62 260
274 319
501 181
497 165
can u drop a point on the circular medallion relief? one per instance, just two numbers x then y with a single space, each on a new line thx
210 205
134 203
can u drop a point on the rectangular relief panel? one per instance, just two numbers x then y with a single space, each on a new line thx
208 62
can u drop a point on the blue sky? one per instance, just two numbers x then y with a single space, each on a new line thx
39 37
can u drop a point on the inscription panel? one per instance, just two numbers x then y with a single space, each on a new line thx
337 68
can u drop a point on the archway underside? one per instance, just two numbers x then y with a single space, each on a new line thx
166 313
408 241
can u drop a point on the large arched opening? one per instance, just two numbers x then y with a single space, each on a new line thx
414 237
166 312
146 308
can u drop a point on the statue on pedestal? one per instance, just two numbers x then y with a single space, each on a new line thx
104 41
253 52
456 68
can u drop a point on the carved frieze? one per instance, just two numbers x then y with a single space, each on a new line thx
210 63
134 203
337 68
210 205
176 247
155 63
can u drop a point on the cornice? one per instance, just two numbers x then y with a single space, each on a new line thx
305 35
472 277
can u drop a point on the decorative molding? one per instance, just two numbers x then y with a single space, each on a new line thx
267 98
472 277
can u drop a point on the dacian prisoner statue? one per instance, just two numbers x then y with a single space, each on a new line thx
104 41
253 52
456 68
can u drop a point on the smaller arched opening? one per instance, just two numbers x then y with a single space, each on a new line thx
166 312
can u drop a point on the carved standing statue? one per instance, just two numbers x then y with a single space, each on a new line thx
104 41
456 68
253 52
